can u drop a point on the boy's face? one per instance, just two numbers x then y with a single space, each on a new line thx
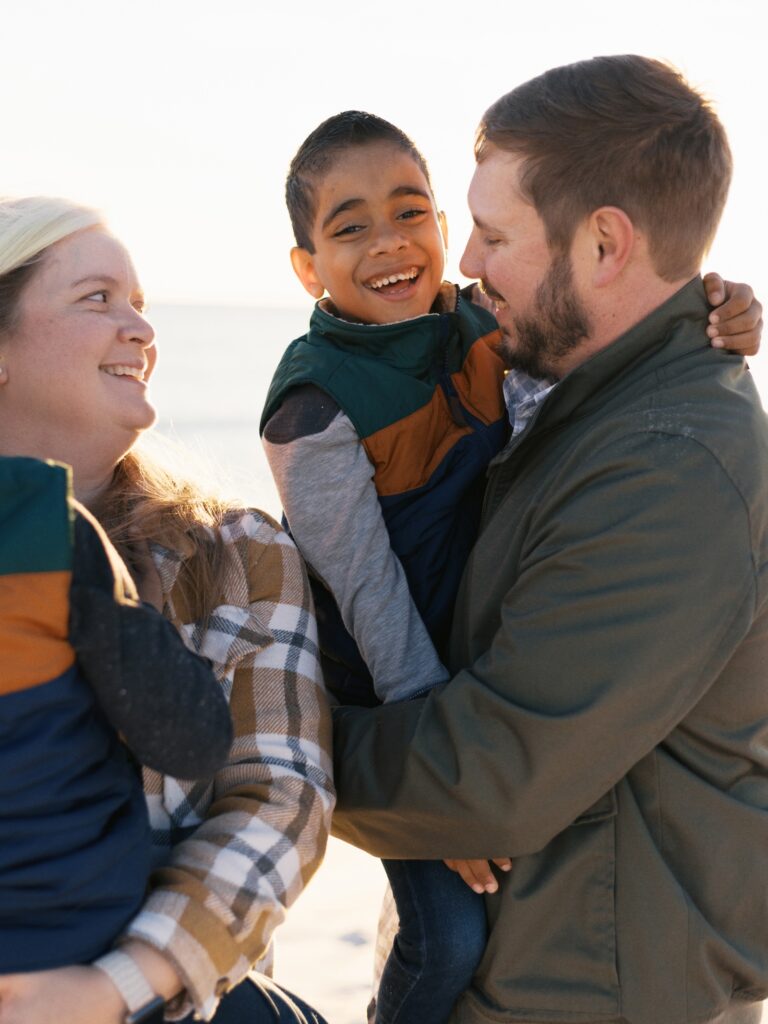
376 221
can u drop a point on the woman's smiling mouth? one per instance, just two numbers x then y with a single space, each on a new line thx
125 370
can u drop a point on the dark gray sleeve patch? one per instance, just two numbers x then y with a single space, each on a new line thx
305 410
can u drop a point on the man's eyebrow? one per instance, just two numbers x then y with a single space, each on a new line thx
479 223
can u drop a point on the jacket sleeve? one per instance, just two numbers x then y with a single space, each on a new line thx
325 482
161 698
636 584
213 909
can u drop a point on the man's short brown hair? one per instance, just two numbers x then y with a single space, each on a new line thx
621 131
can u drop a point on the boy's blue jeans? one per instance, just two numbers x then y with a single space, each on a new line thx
443 930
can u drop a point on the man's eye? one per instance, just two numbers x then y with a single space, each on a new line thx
491 242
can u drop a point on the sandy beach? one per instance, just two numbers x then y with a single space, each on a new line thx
324 951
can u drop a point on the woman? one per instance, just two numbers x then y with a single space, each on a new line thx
76 356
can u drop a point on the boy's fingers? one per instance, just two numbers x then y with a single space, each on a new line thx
503 862
740 300
714 286
745 343
473 874
478 875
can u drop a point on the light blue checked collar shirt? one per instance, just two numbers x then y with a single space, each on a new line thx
523 395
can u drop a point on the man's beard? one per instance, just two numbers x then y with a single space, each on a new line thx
556 324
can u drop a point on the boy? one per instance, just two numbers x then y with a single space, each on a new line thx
82 658
379 426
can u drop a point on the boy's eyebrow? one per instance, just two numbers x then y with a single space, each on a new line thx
409 190
350 204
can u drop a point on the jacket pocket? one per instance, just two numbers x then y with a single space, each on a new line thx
605 807
551 953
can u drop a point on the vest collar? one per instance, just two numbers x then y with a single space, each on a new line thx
411 345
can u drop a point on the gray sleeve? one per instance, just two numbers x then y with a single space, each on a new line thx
325 482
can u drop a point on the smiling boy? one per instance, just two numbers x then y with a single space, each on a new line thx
379 426
380 422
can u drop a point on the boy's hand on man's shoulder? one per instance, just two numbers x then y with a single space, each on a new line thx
736 322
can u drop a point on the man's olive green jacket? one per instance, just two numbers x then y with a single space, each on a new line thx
607 723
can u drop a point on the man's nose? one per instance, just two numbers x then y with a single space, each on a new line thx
471 265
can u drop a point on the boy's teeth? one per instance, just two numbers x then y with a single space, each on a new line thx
394 278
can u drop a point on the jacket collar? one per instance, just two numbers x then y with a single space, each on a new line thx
653 342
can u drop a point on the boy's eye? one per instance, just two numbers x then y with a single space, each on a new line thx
409 214
348 229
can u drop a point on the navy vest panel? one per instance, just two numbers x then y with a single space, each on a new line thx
74 834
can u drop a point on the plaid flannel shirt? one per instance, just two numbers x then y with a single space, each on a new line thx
237 849
523 395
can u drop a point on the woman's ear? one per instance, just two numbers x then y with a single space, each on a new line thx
443 222
303 264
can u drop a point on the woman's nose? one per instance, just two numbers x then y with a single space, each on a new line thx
137 328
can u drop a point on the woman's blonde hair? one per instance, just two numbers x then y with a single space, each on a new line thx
147 500
28 228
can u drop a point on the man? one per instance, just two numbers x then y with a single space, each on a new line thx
607 722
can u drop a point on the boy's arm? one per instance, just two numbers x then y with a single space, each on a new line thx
325 482
163 700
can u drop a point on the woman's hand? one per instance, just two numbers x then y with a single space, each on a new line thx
66 995
477 873
80 995
736 322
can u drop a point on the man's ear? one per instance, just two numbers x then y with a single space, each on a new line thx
612 238
303 264
442 220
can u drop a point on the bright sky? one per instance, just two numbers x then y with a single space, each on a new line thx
179 117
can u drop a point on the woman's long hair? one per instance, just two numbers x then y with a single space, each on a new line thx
147 501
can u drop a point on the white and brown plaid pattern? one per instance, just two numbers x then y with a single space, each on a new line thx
238 849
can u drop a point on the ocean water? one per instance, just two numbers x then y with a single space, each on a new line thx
214 367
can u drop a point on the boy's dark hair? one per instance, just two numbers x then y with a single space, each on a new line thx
621 131
317 153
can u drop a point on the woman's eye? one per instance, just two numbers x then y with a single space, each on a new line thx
97 297
409 214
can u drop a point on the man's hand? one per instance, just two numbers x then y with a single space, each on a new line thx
736 323
476 873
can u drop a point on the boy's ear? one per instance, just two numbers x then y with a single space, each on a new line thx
303 264
443 222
